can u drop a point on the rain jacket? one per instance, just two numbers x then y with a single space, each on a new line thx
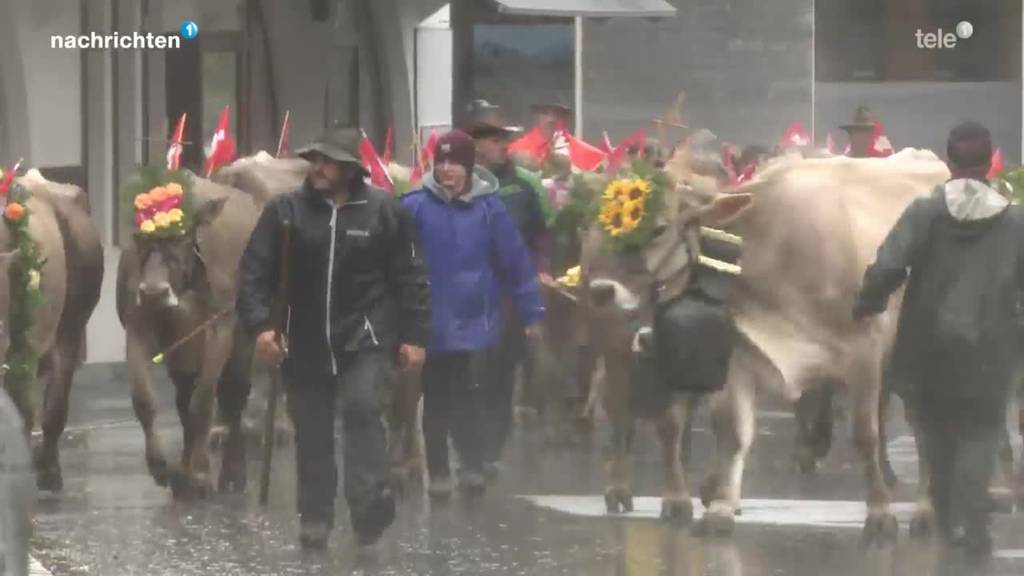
961 252
475 256
355 282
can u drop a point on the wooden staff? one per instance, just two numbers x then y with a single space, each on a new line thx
278 317
159 358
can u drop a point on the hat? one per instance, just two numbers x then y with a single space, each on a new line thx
338 144
862 120
557 107
486 120
457 147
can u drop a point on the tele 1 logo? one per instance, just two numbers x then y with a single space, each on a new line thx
940 40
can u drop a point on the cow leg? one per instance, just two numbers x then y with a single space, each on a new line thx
232 397
618 494
1001 489
219 345
923 523
881 526
888 473
815 422
56 371
675 504
733 420
1019 487
144 404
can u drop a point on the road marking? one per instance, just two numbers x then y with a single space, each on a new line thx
36 569
756 512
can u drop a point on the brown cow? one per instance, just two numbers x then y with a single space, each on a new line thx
166 288
619 313
70 280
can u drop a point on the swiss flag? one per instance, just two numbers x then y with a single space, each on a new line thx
606 144
388 144
533 144
427 153
618 155
881 147
222 146
582 155
998 167
796 136
379 176
177 144
5 184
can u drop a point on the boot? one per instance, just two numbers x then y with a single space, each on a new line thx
314 535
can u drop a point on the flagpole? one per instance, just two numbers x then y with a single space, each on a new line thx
284 129
814 73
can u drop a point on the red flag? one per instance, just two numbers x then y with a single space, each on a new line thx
533 144
606 144
730 165
582 155
618 156
379 176
880 145
177 146
283 149
428 150
747 173
997 165
796 136
5 184
387 148
222 146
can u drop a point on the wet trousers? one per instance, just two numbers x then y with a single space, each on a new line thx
962 441
364 384
452 407
498 386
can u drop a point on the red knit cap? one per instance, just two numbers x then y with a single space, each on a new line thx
456 147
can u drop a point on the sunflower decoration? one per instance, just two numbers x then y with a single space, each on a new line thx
161 202
629 204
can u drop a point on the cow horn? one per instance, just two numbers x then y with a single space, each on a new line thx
720 235
719 265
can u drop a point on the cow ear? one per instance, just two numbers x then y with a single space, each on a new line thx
208 211
725 208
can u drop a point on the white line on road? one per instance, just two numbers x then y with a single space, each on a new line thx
36 569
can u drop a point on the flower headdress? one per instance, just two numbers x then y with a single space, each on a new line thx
161 202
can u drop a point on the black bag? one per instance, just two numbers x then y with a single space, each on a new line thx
694 337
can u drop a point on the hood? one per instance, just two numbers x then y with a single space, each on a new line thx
969 200
484 183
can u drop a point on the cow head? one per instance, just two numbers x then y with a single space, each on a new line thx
171 266
622 289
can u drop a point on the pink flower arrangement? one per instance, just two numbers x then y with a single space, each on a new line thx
160 208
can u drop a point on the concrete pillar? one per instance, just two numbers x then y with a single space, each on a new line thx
98 130
14 132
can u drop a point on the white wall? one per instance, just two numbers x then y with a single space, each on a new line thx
53 81
434 71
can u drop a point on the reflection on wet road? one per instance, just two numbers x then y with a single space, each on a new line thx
544 517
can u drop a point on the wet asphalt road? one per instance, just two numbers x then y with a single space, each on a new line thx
112 519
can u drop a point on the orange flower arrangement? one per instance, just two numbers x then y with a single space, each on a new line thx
14 211
160 209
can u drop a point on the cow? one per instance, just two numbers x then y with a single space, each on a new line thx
808 236
70 279
618 311
166 289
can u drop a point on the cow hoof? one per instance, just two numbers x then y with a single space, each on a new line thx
922 525
180 485
718 523
881 530
202 486
679 512
618 501
49 479
708 490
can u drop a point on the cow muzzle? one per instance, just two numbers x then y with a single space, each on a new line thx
157 295
604 292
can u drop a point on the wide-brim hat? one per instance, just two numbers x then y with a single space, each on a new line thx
557 107
862 120
339 144
488 121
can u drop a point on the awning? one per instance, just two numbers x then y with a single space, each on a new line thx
589 8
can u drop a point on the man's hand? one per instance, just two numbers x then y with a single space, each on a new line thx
269 348
545 279
411 357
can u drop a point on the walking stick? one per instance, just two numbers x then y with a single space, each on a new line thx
277 320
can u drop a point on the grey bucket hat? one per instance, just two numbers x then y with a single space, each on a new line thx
338 144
